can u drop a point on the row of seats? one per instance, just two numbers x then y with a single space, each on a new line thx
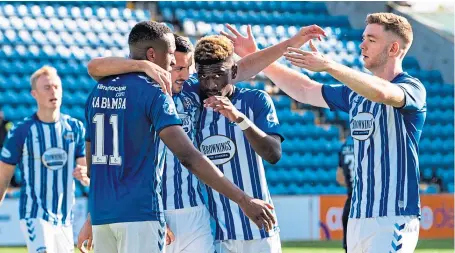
61 12
263 17
28 24
296 175
311 144
268 6
52 38
436 145
306 189
48 53
436 159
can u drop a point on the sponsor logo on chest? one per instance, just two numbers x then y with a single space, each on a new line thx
362 126
54 158
218 148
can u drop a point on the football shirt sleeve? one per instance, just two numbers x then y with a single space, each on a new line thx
161 109
336 96
12 149
414 93
265 116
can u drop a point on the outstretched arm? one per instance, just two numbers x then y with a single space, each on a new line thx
369 86
255 62
178 142
297 85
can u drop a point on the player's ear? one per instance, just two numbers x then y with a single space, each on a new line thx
234 71
150 54
394 49
33 92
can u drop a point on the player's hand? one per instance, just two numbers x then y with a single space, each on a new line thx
80 173
170 237
306 34
85 238
160 75
312 60
224 106
243 45
259 212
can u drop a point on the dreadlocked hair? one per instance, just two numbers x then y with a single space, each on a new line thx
213 49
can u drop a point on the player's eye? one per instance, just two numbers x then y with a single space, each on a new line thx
217 76
204 76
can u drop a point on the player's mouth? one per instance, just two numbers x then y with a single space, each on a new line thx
179 82
210 93
53 100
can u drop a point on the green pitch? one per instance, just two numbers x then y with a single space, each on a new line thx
424 246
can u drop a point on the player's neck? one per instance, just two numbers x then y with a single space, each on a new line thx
48 116
389 71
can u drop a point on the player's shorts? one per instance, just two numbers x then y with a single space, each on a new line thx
267 245
130 237
383 234
42 236
191 228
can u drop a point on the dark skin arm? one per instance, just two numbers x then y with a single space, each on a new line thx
178 142
266 146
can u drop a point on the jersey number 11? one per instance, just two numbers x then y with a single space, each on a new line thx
99 157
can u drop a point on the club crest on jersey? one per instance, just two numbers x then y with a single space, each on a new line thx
362 126
6 153
186 122
218 148
69 136
271 117
169 108
54 158
187 103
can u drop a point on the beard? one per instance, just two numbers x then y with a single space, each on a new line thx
378 61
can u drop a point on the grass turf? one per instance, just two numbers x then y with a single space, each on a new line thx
424 246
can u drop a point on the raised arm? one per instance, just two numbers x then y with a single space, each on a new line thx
371 87
297 85
255 62
108 66
178 142
266 146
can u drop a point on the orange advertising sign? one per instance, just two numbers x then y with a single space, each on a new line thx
437 221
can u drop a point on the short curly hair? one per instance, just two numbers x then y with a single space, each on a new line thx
213 49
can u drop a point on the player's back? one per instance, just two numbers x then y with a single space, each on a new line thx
124 115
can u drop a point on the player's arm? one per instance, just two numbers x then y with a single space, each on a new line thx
297 85
340 177
408 95
108 66
266 146
178 142
88 156
81 171
6 173
255 62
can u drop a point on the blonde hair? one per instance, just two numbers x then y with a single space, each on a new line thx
396 24
45 70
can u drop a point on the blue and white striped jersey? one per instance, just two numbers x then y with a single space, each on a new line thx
180 187
46 154
225 144
385 148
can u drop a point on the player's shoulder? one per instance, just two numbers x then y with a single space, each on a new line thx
252 93
407 78
71 123
23 126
